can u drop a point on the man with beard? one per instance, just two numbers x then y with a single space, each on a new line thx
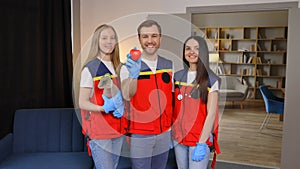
147 85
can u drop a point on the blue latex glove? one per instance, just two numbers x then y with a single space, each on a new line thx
117 99
199 152
119 111
108 104
133 67
118 102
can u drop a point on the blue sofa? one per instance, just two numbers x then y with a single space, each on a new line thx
45 139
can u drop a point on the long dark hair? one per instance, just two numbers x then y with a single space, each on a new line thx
203 70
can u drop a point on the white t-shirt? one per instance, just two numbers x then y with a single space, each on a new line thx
124 73
86 77
191 76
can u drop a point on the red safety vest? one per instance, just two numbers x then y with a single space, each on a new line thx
189 116
99 125
151 106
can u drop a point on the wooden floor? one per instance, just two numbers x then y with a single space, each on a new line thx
240 140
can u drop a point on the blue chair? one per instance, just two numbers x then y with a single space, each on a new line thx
273 104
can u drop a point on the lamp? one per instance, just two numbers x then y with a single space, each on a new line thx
214 59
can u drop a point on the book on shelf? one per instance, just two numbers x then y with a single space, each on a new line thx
216 35
245 71
259 72
258 60
248 71
252 47
244 59
250 59
253 71
254 59
240 60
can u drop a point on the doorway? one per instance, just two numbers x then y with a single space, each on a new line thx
242 9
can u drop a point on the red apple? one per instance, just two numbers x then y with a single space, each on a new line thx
135 54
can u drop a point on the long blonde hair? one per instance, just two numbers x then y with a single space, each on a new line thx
93 53
94 50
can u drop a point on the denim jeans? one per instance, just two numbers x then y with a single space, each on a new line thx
150 151
184 157
106 153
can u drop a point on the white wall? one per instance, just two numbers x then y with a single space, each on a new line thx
96 12
130 13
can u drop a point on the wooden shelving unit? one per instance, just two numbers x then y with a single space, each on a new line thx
256 54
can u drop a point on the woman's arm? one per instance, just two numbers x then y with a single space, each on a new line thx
212 104
84 100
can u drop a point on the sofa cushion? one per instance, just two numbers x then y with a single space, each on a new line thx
47 130
77 160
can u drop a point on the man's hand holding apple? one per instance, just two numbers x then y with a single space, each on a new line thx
133 63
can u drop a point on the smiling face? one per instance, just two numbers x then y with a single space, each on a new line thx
107 41
150 39
191 51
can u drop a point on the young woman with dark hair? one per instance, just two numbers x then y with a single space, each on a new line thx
196 106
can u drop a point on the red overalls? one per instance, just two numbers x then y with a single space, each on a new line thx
151 106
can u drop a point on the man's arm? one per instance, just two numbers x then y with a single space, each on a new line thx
128 76
128 87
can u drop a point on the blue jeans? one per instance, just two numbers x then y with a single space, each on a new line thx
106 153
184 157
149 151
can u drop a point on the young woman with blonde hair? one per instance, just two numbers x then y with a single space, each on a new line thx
103 123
